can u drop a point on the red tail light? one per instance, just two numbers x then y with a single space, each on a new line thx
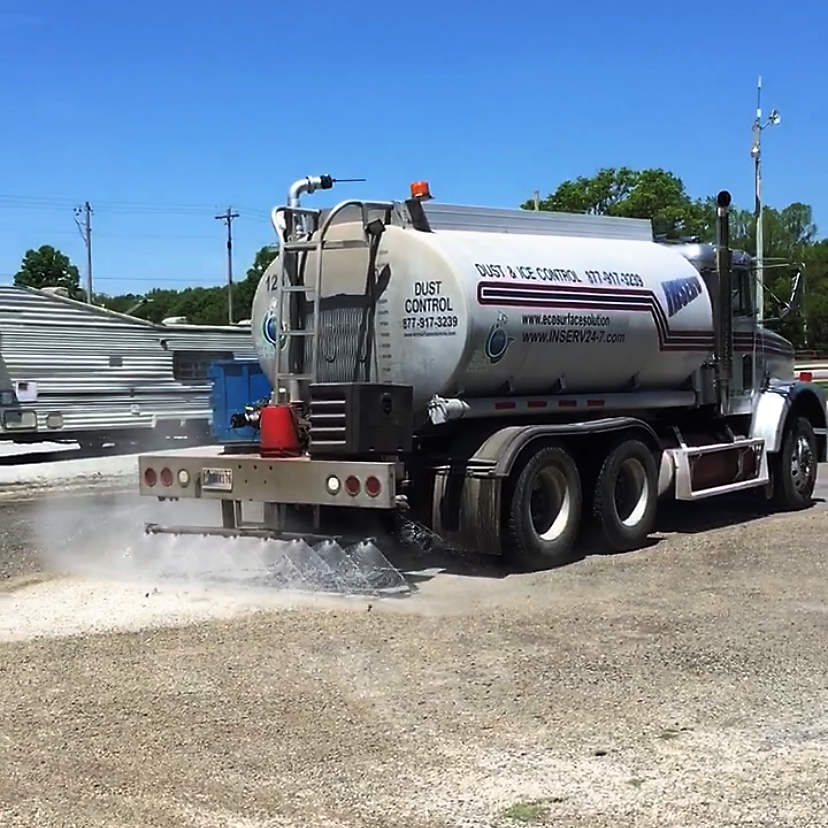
806 376
166 477
352 486
150 477
373 486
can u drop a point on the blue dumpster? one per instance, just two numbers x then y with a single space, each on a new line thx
236 383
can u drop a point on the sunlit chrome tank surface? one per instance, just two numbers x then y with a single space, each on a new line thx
480 314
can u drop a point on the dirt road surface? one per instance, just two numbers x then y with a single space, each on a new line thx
681 685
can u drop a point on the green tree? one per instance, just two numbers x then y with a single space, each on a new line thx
201 306
246 289
815 260
48 267
790 235
130 303
654 194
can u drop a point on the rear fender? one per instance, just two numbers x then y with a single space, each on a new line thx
466 508
507 445
778 404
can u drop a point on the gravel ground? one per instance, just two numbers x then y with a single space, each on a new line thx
681 685
106 474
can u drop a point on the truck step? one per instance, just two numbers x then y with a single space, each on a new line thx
746 456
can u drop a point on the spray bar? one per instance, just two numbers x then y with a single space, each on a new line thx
248 532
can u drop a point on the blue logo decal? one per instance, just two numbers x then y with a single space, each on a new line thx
680 293
270 330
498 341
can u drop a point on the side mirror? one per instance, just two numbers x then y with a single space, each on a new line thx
794 304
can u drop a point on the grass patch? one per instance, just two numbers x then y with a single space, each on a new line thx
527 812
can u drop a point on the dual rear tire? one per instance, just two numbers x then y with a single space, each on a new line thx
547 500
546 503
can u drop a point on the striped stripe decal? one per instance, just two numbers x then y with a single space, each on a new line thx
570 297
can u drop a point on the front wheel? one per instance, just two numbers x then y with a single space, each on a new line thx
544 509
794 467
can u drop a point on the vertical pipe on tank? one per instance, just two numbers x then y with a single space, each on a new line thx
296 227
724 315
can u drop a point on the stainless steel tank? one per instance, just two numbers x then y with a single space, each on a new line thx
484 314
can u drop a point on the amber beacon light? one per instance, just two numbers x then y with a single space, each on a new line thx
421 190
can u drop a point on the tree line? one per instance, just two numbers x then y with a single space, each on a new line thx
790 244
49 267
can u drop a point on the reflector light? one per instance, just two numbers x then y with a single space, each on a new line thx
150 477
373 486
806 376
352 485
166 477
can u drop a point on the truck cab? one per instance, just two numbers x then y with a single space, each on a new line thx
759 355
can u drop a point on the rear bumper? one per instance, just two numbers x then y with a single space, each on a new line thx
208 474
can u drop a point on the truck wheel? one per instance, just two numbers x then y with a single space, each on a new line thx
544 511
794 468
626 494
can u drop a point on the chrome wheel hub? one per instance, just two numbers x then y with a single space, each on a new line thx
550 504
802 463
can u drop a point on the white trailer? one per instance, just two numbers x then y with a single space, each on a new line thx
503 379
74 372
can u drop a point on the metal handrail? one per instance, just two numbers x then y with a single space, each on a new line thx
365 207
322 231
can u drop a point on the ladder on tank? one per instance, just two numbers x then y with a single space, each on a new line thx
287 382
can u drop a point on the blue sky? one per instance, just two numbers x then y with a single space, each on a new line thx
162 114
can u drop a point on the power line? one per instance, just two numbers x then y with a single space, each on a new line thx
127 207
143 279
181 279
103 234
227 218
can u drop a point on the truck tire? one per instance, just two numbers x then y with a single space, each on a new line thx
544 509
626 495
794 467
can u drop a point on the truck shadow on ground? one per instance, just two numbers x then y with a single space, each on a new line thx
419 566
716 513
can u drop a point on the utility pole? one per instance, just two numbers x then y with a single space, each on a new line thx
756 154
227 218
85 227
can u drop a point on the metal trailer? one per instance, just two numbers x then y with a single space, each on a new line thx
542 447
70 371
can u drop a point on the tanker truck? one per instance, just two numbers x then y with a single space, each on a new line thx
503 379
